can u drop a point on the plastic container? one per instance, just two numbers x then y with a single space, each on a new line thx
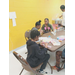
61 38
56 21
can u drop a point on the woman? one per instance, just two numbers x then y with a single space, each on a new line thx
47 27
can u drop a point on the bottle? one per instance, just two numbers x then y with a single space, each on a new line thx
55 32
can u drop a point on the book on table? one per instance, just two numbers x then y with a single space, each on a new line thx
62 37
55 42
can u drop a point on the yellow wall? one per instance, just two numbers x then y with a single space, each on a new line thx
28 12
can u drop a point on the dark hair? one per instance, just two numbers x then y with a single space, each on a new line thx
34 33
62 7
38 23
46 19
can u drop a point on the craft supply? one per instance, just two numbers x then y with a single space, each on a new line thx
49 46
60 40
62 37
53 33
55 42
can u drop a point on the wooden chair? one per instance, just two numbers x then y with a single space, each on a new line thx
27 35
62 62
26 66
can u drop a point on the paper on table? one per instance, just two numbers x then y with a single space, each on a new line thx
53 33
62 37
45 39
55 42
41 38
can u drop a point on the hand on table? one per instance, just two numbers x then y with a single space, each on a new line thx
44 44
41 32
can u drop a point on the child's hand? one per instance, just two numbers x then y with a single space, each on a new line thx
41 32
46 45
42 43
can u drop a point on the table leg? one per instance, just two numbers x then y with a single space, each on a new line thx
51 68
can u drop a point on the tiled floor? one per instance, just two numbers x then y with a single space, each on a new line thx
15 66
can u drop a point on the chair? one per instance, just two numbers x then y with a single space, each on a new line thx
26 66
27 35
63 62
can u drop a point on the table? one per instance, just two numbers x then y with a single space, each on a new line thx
58 33
54 48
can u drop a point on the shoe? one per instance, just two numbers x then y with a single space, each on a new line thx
43 72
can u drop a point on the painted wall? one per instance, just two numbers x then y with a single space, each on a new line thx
28 12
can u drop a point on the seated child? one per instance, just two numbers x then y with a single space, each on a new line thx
37 25
47 27
36 55
58 55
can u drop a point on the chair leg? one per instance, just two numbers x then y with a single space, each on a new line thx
62 64
21 71
26 53
51 68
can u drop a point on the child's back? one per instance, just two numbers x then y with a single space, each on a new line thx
34 53
36 56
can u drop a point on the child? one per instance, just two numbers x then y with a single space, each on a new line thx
36 56
62 7
47 27
58 55
37 25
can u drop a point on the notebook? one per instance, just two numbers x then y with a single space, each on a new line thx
55 42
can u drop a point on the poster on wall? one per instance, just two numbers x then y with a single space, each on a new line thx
12 15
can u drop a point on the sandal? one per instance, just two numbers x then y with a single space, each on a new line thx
57 68
54 67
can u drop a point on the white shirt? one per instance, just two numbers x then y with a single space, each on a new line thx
63 18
